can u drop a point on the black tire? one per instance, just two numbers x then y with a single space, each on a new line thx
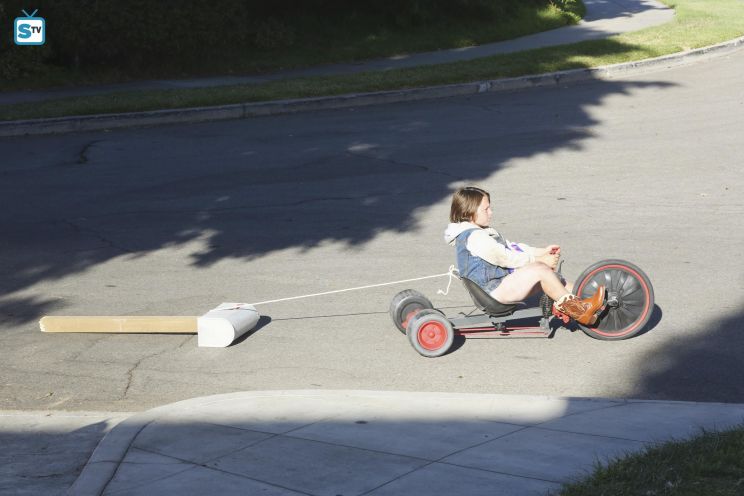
430 333
405 305
630 299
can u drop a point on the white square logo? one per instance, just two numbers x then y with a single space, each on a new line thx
29 30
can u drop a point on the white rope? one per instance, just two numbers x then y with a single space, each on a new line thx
452 275
449 273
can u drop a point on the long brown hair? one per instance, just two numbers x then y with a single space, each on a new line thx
465 203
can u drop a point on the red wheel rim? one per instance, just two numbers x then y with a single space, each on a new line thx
644 287
432 335
409 316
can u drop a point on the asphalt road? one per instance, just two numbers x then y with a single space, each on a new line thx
174 220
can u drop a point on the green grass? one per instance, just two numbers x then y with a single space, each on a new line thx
318 41
697 23
709 465
355 44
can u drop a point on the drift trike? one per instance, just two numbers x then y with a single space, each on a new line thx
629 301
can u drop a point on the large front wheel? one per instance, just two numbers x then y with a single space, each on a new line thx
630 299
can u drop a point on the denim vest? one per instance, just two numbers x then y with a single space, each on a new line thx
484 274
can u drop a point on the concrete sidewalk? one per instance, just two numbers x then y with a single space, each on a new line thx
380 443
43 452
603 18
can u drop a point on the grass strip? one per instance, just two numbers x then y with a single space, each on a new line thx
317 41
697 23
711 464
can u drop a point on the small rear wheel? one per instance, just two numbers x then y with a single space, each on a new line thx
430 333
405 305
630 299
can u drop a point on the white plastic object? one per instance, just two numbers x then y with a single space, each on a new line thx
222 325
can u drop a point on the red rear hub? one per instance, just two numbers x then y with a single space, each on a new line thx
432 335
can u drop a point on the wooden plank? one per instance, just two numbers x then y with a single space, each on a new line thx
120 324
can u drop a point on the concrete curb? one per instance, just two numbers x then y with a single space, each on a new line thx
106 458
244 110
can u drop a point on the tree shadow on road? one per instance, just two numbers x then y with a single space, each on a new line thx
246 189
703 365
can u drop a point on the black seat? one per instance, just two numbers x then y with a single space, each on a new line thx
485 303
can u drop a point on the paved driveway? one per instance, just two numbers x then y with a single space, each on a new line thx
174 220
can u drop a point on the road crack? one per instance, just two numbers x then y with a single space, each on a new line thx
89 231
133 369
83 155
